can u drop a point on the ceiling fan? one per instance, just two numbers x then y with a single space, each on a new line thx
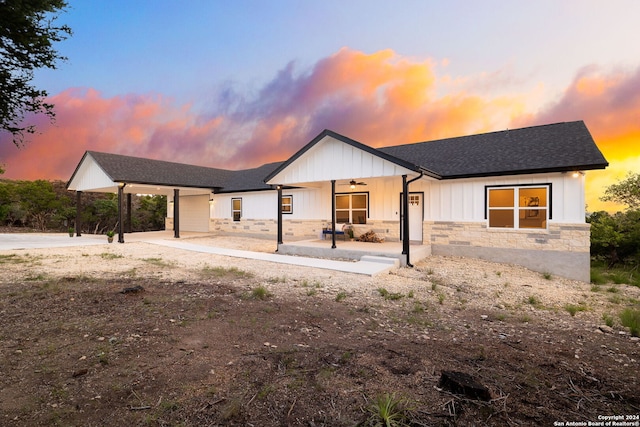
352 184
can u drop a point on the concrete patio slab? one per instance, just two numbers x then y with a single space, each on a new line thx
368 268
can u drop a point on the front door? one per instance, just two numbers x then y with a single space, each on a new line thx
416 216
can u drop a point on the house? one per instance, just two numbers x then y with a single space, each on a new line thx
514 196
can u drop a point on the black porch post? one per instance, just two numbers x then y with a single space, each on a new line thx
176 213
279 187
128 228
120 228
333 214
405 218
78 212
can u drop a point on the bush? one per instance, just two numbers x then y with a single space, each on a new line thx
631 319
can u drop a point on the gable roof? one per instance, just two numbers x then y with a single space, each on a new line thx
549 148
386 156
139 170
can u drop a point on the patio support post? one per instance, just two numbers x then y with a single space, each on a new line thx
405 218
78 212
176 213
128 228
120 228
333 214
279 187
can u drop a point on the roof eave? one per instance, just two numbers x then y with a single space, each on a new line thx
529 171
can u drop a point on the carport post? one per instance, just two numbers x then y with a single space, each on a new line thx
128 228
78 212
120 228
176 213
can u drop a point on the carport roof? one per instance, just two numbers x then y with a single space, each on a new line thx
139 170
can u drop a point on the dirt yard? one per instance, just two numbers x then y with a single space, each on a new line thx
143 335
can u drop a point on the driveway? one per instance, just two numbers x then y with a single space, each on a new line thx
15 241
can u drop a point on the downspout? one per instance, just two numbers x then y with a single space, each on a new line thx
405 219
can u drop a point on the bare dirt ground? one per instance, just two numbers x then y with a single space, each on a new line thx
212 340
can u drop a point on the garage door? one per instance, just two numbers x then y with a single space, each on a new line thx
194 213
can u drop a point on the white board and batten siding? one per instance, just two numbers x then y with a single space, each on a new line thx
309 203
91 177
332 159
464 199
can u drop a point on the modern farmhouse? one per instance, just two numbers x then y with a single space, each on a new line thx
513 196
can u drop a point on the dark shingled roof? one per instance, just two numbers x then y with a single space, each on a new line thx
157 172
249 179
548 148
137 170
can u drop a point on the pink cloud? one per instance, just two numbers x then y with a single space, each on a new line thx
609 103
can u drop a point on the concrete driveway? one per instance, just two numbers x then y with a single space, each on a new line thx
15 241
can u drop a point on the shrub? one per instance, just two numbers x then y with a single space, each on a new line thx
260 292
631 319
573 309
388 411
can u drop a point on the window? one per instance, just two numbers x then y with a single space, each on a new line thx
236 209
518 207
287 204
352 208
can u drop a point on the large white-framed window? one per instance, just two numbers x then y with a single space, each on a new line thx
236 208
352 208
519 207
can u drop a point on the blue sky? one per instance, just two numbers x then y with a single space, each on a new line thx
236 84
182 48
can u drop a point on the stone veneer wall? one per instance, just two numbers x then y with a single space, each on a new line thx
563 249
299 229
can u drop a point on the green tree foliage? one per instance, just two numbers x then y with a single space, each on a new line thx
27 34
48 206
615 238
626 192
39 201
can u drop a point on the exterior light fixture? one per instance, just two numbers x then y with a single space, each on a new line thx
352 185
576 174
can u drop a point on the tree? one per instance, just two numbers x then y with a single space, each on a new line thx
40 202
27 34
626 192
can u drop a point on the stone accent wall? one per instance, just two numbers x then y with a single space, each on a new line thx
559 237
291 229
297 229
563 249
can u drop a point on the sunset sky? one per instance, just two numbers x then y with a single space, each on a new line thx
235 84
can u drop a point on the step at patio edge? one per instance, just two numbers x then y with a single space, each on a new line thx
381 260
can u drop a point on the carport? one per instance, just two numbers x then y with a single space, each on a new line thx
126 175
